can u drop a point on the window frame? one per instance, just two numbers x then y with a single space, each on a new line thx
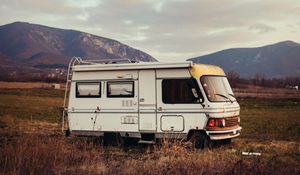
119 96
88 96
198 90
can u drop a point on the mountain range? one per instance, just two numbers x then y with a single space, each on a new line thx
40 46
271 61
30 48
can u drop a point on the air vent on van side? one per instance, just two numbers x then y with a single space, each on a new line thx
127 103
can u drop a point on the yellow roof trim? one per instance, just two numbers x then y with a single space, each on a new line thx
198 70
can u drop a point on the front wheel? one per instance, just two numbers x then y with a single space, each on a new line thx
200 140
226 141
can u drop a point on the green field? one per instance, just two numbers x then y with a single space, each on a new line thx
267 119
30 142
39 104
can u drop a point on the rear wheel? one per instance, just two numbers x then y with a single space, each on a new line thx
113 139
67 133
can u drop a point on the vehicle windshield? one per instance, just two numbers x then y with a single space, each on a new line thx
217 88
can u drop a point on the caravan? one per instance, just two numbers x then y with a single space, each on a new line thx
150 100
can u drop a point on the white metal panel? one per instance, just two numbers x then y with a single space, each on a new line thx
113 122
147 122
165 73
81 121
147 88
172 123
147 100
105 75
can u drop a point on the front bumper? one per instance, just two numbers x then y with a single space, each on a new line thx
224 134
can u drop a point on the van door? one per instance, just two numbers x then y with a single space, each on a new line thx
147 100
178 104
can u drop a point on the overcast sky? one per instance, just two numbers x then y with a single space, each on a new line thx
168 30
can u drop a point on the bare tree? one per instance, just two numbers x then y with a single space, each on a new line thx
233 77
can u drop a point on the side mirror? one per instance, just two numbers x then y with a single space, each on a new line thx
195 93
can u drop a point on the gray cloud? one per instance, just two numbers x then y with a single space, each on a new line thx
261 28
169 29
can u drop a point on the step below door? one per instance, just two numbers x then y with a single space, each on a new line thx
147 100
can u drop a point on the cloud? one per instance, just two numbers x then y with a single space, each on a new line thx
169 29
261 28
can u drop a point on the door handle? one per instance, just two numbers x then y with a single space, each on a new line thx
159 109
142 99
97 109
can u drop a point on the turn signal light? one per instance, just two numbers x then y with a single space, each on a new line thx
212 122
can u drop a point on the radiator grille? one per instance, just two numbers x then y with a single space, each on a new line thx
231 121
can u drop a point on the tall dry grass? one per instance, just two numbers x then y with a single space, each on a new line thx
55 154
29 144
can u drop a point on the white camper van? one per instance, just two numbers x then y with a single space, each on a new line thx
151 100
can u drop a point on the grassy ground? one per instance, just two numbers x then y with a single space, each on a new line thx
39 104
267 119
31 143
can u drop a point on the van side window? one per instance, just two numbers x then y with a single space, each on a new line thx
88 89
120 89
180 91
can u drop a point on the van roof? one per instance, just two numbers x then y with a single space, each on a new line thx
204 69
197 70
131 66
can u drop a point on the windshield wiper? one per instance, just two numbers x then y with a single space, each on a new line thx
224 96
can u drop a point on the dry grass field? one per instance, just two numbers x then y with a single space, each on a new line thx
267 93
31 142
24 85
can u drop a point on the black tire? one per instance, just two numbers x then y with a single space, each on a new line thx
67 133
227 141
113 139
200 140
120 140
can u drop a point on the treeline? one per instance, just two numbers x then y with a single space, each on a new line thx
260 80
32 77
29 74
234 78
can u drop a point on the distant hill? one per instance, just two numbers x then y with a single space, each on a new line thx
273 61
41 46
